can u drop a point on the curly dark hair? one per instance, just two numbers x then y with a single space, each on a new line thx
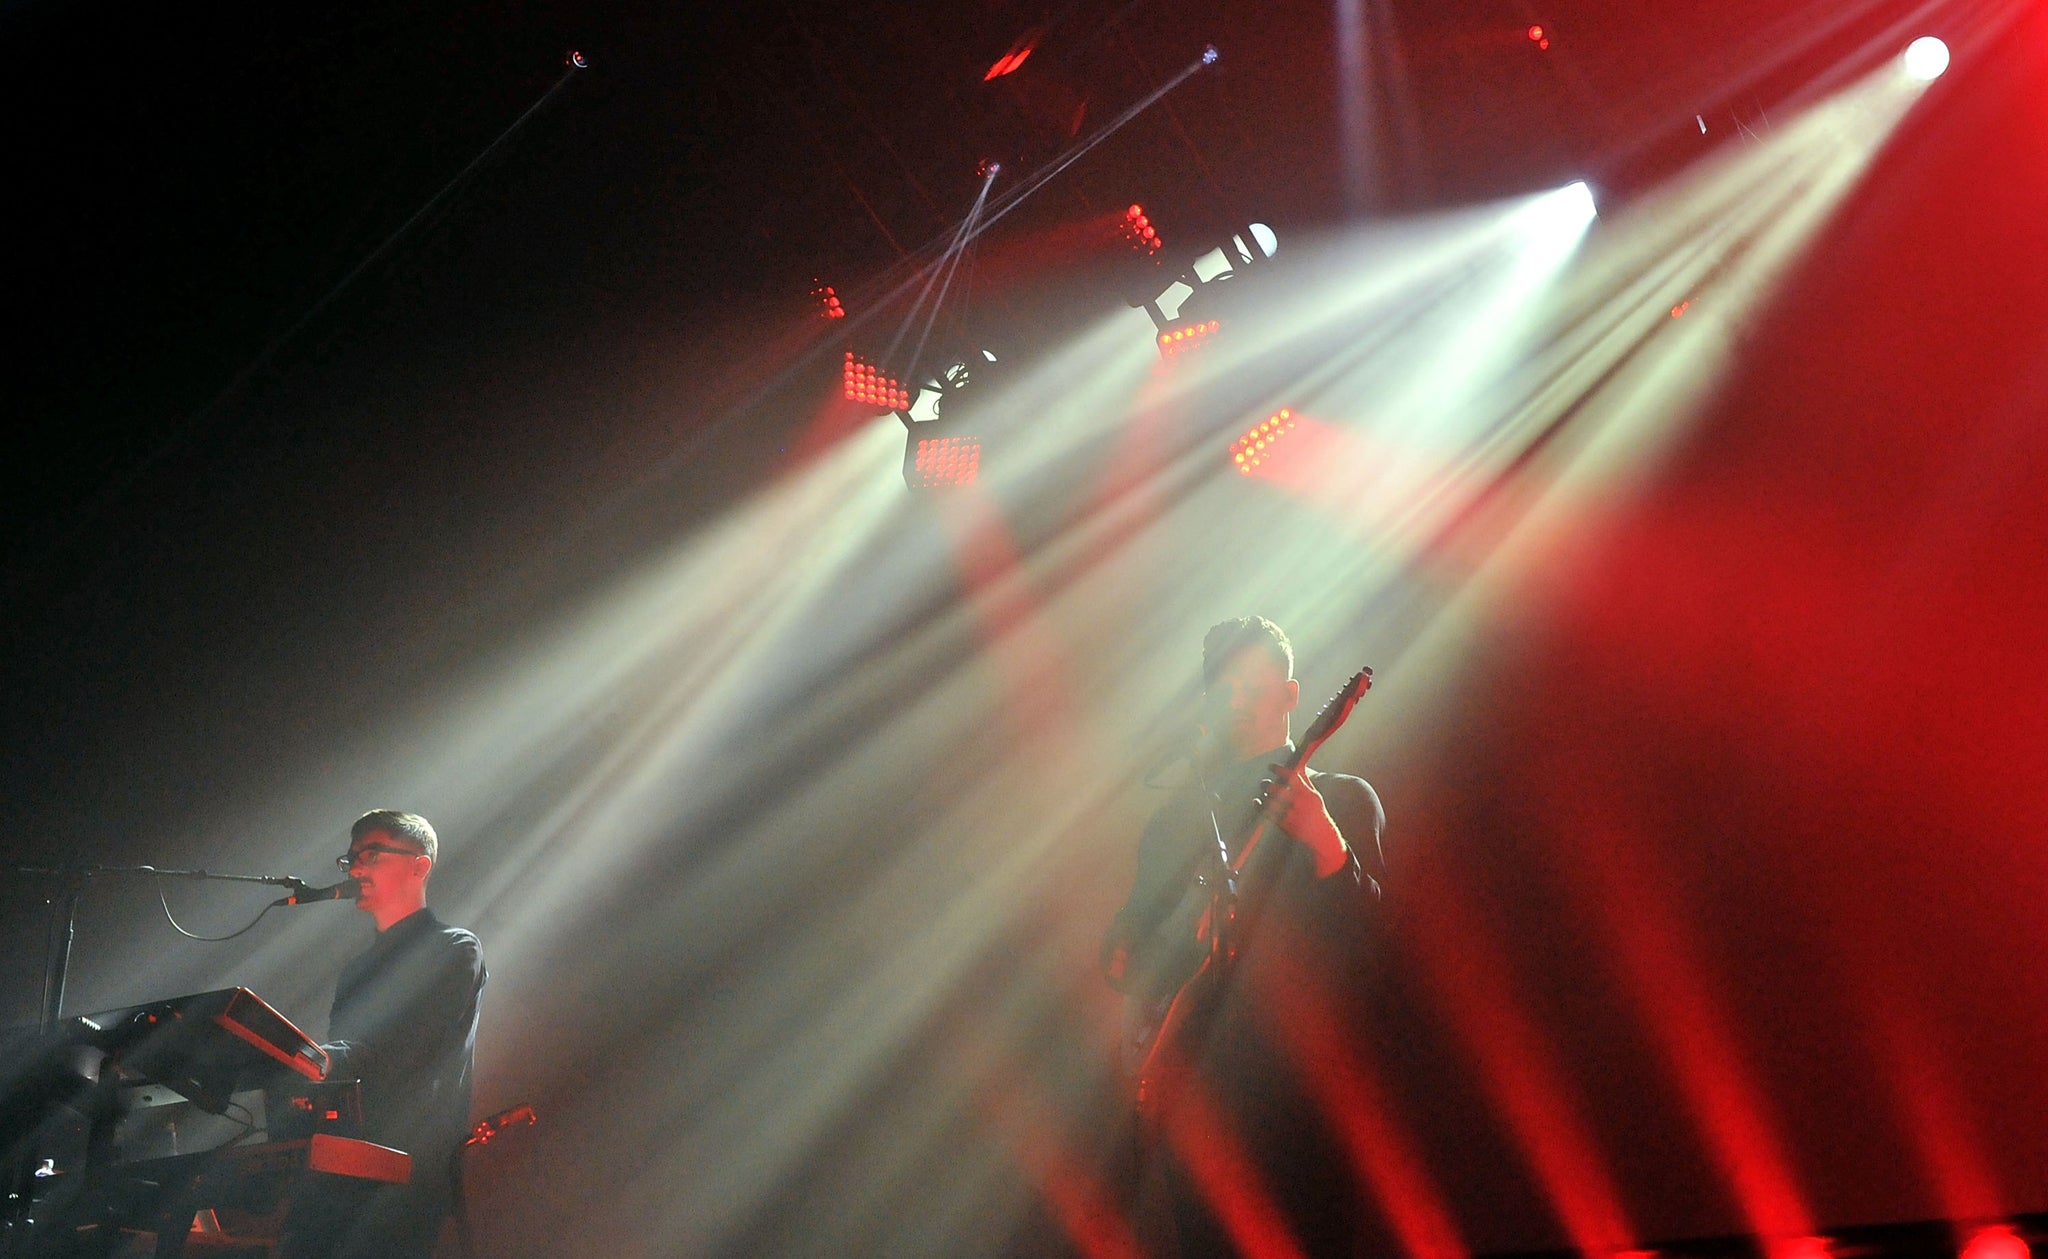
1232 636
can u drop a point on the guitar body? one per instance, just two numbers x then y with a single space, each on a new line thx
1165 1025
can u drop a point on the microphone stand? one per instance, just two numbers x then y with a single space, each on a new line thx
62 933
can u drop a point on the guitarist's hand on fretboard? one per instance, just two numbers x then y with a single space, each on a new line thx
1293 804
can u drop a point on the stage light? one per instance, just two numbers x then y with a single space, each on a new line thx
576 60
1926 58
1210 55
1561 214
1540 37
940 459
1216 283
1178 339
1997 1242
829 306
1800 1248
1139 233
944 439
1255 445
1013 60
1576 199
864 382
988 168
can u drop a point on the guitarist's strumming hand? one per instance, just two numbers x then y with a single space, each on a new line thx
1296 807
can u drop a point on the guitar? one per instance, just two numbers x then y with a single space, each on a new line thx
1154 1035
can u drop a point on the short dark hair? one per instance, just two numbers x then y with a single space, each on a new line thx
410 827
1232 636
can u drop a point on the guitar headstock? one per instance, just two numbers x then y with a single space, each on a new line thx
1332 714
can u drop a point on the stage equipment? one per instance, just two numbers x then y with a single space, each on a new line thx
1139 234
1256 444
827 298
932 461
1182 337
1926 58
863 381
943 448
97 1109
203 1046
1210 288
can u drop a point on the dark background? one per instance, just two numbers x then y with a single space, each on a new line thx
1721 846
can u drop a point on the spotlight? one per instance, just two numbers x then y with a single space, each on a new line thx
1926 58
1210 55
1539 37
864 382
989 168
1255 445
1576 200
575 60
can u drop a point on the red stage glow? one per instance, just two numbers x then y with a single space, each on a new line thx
1235 1192
863 382
1470 980
1084 1206
1682 1007
1999 1242
1539 37
1360 1112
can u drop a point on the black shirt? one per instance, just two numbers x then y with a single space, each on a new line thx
404 1023
1185 840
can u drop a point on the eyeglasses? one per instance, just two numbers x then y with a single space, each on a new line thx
368 854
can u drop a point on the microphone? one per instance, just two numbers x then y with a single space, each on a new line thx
346 890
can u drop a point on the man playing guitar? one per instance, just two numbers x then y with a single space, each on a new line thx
1255 879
